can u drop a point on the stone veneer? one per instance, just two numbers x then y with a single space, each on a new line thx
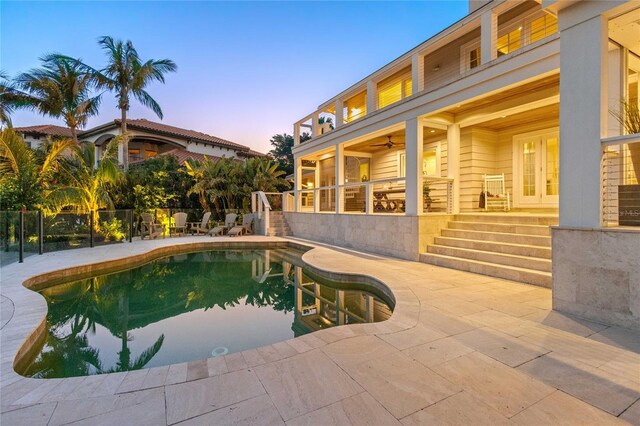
398 236
596 274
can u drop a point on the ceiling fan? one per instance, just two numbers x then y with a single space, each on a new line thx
389 144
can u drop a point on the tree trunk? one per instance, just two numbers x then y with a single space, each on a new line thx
74 135
125 139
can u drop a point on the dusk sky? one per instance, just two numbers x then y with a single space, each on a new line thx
246 70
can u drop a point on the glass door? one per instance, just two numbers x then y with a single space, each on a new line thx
537 169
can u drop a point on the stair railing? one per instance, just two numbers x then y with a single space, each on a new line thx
261 207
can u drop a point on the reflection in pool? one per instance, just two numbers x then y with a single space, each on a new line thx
188 307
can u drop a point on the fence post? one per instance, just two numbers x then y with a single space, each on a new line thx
40 232
170 217
130 225
91 229
21 237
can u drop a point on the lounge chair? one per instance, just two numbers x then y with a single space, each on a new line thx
202 226
148 228
179 223
229 222
245 228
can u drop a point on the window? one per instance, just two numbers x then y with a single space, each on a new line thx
509 42
394 88
402 164
470 56
542 27
430 162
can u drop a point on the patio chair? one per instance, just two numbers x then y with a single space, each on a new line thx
202 226
245 228
495 193
229 222
148 228
179 223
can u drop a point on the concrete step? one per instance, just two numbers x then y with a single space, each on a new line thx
540 230
523 275
508 218
526 262
534 240
496 247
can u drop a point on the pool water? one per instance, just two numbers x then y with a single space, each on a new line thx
188 307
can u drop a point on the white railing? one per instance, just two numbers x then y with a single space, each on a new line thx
288 201
438 195
620 181
261 207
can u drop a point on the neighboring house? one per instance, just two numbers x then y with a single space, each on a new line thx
403 171
35 136
147 139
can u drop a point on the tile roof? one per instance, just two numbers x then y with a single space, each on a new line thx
45 130
181 155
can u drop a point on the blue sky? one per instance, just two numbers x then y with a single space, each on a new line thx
246 70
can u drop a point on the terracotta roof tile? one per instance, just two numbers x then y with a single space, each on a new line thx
181 155
45 130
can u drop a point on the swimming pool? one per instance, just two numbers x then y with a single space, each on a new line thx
192 306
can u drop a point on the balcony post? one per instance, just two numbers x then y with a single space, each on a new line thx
339 176
413 157
453 164
315 126
339 113
296 134
372 97
297 182
417 73
488 36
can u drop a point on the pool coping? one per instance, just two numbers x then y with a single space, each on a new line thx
30 309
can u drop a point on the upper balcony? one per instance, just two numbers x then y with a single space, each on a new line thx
496 30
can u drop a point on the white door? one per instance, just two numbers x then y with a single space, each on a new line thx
536 169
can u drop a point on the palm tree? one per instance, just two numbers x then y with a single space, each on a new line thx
28 174
11 98
126 74
86 186
61 89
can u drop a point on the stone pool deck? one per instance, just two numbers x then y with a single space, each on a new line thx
459 349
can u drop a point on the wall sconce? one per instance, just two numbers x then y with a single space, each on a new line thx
435 68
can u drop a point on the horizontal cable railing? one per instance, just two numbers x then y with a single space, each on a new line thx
620 181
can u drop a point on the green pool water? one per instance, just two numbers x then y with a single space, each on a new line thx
191 306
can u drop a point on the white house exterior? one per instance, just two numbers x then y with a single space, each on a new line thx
403 169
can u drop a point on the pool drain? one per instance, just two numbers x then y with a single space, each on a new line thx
219 351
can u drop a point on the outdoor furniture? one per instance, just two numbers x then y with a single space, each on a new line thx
245 228
229 222
202 226
179 223
382 202
148 228
495 193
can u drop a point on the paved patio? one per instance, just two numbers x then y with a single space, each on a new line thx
459 349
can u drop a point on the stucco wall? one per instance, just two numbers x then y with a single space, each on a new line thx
398 236
596 274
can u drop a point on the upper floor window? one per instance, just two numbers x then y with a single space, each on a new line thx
470 55
394 88
509 41
541 27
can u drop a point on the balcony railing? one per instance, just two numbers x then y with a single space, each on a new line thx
620 181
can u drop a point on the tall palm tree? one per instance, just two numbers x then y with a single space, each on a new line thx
86 186
11 98
29 175
127 75
61 89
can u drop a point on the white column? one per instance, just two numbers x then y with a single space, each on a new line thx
453 163
417 73
372 96
488 36
339 113
315 127
413 155
297 182
296 134
339 177
583 120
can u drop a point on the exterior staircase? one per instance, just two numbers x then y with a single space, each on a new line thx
278 226
510 246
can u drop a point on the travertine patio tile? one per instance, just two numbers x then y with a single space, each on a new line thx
177 374
191 399
33 415
269 353
198 369
632 414
456 307
438 351
88 386
357 350
42 387
215 366
252 357
626 365
447 324
63 390
258 411
133 381
156 377
500 321
619 337
597 387
562 409
360 409
110 385
311 340
505 305
305 382
500 346
401 384
565 322
412 337
505 389
299 345
235 362
545 304
284 349
460 409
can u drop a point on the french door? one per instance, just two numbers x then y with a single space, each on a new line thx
536 169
